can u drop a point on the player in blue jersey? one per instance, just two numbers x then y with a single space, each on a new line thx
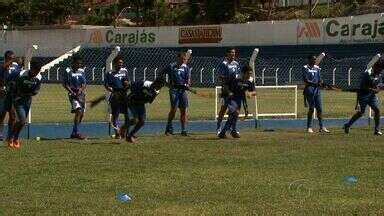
179 81
227 70
7 68
366 95
74 82
237 90
27 84
141 92
313 83
117 82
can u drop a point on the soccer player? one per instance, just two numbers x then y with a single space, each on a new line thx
117 82
312 96
75 83
179 81
7 68
27 84
228 70
141 92
366 95
237 89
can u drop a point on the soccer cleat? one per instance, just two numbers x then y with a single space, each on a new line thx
346 128
16 144
10 143
235 134
77 136
378 133
131 139
168 132
217 132
222 135
309 130
324 130
184 133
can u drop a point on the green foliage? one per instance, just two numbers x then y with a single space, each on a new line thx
219 11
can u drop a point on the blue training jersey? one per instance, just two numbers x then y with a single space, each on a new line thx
369 80
9 77
178 76
14 68
116 79
74 80
311 74
26 86
229 70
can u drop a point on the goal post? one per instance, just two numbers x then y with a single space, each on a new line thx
277 95
269 101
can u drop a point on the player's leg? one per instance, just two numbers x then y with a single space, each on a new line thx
115 119
220 115
21 110
233 114
319 113
11 120
362 102
3 112
78 109
374 104
183 106
310 98
139 119
174 100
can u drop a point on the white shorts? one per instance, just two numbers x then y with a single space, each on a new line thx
76 105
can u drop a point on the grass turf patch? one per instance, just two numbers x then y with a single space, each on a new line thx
283 172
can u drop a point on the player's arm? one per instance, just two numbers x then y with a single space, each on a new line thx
66 84
83 85
189 81
106 84
164 72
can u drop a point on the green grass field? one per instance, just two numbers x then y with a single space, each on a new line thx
283 172
51 104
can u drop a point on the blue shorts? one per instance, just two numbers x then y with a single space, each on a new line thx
370 100
178 98
313 99
22 107
137 112
233 104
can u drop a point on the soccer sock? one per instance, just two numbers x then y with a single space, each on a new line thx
169 125
75 128
218 124
234 124
320 119
9 132
136 128
16 131
309 120
183 126
377 123
231 120
116 124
